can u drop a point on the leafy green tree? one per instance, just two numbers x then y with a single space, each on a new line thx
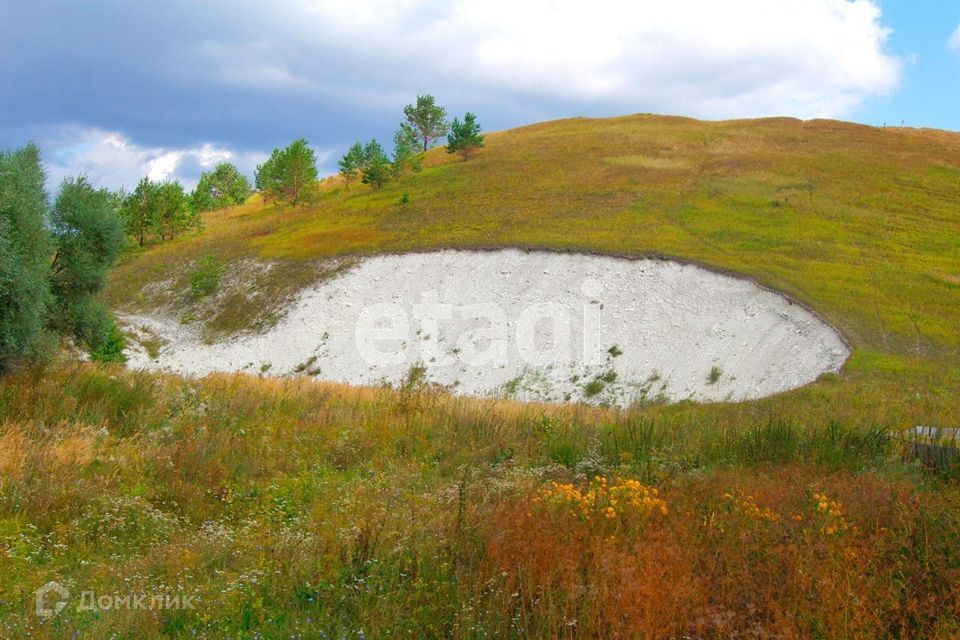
426 119
376 169
25 250
288 174
159 209
223 187
175 213
266 178
88 235
406 152
118 198
464 137
351 163
53 260
141 211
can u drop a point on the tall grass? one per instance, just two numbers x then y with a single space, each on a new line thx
290 507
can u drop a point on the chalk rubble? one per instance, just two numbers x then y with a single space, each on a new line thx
549 325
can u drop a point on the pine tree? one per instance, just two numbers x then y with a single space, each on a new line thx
376 168
427 120
141 211
406 153
175 215
267 176
351 163
288 174
159 209
464 136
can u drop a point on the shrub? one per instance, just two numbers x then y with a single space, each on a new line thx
111 349
592 388
206 278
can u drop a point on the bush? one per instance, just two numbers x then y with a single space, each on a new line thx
593 388
206 278
111 349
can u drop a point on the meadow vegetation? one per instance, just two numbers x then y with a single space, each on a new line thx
294 508
290 507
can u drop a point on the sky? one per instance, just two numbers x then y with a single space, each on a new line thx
119 89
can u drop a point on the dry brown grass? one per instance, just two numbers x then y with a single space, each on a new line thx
710 569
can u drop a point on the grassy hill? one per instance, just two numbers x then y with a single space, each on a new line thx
861 223
299 508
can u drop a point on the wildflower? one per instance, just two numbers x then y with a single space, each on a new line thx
832 512
746 505
602 496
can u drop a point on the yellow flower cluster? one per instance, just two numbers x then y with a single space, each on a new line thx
747 506
603 498
832 511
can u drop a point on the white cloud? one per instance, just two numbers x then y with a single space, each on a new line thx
953 44
111 160
699 57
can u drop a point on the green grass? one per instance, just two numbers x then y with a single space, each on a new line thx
715 373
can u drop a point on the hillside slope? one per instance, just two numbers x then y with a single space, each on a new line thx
860 223
288 507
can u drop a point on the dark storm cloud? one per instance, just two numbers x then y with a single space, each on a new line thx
138 67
